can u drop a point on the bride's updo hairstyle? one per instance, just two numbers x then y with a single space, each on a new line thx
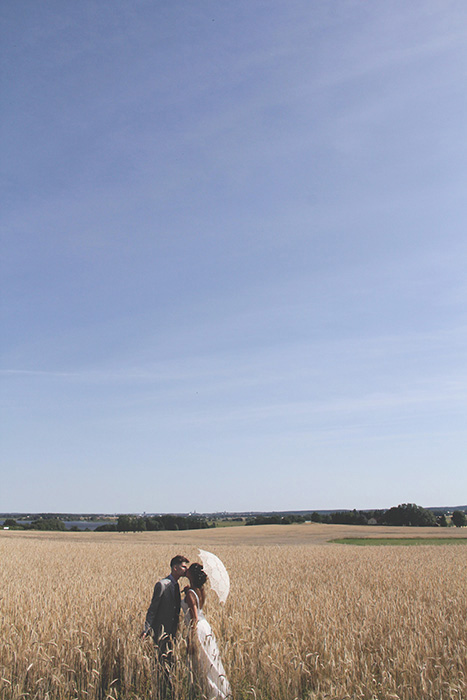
198 575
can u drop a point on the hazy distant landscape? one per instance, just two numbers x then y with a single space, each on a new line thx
402 515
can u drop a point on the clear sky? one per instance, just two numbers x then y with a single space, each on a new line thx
234 255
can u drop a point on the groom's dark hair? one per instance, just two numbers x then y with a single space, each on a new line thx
177 560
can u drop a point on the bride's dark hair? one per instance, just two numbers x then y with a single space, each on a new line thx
198 575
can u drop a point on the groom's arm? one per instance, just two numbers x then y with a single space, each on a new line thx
153 608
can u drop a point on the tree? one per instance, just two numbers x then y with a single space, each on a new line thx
459 518
441 520
9 522
108 527
141 525
351 517
409 514
48 524
124 523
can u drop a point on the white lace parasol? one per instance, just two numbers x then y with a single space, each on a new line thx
218 574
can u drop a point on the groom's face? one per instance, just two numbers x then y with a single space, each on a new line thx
179 570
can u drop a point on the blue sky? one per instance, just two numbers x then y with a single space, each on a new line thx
233 255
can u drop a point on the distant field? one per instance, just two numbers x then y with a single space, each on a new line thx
306 533
403 541
229 523
305 619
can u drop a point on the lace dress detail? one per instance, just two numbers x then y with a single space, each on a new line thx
211 670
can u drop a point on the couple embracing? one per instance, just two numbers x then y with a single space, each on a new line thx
162 621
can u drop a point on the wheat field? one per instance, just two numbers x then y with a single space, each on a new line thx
309 620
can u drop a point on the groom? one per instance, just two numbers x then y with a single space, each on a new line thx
164 611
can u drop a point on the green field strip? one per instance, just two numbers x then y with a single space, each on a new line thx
400 541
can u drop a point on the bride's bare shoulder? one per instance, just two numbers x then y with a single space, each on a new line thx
190 596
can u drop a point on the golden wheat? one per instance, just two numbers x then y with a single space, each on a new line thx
302 621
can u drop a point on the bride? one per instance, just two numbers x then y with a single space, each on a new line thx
202 645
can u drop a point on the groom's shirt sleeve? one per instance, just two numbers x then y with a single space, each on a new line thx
153 608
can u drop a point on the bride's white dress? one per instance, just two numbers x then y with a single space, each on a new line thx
210 664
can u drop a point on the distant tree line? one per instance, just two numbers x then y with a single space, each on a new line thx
125 523
347 517
408 514
66 517
40 524
275 519
459 518
131 523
